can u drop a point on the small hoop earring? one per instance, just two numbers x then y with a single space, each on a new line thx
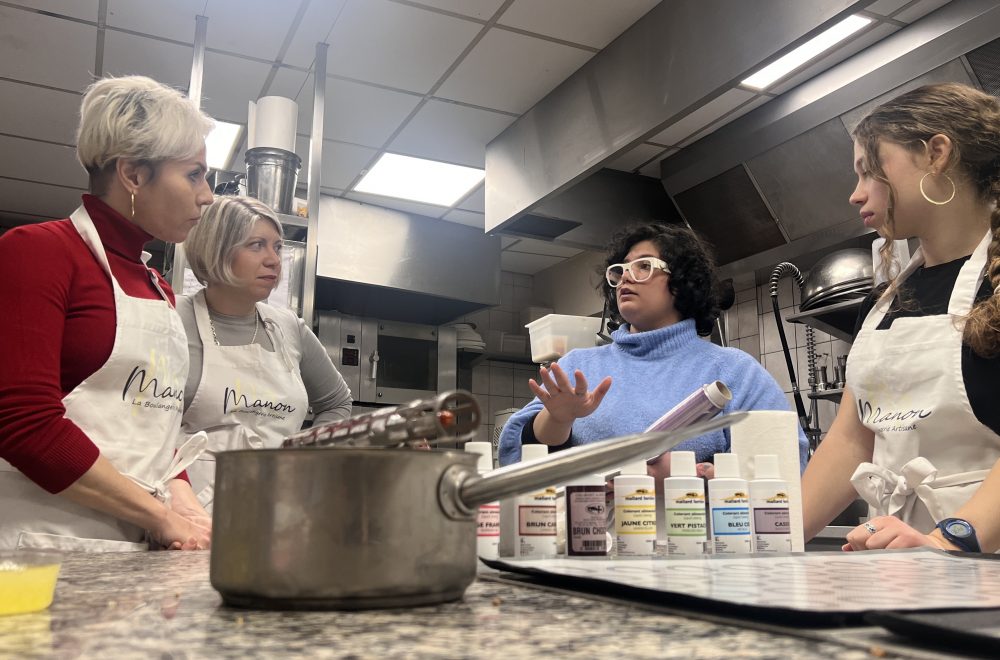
132 203
936 203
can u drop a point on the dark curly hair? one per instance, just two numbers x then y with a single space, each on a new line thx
692 275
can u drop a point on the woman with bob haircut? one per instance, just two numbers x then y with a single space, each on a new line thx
255 369
660 283
919 436
94 355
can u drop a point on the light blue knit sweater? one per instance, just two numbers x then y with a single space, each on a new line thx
652 372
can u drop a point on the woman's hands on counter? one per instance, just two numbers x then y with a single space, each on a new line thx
184 503
891 533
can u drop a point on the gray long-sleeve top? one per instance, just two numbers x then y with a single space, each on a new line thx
329 396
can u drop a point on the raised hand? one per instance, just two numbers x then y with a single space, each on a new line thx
564 401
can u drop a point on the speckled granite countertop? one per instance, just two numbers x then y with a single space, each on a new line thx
161 604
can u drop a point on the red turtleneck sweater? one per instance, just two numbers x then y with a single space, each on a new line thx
57 328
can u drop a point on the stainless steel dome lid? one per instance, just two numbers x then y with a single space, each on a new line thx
838 272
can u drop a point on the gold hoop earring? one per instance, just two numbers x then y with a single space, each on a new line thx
936 203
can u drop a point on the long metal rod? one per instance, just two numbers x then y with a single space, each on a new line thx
194 93
315 174
587 459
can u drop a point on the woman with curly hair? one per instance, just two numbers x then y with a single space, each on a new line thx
920 438
660 283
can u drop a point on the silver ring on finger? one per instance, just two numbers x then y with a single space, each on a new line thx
870 527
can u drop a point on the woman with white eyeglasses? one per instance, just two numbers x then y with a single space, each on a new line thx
660 283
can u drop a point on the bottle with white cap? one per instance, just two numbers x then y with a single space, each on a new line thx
586 517
535 530
729 508
772 531
635 512
684 506
488 516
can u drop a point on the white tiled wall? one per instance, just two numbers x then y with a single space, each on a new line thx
751 327
496 384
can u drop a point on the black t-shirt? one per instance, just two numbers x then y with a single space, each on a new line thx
926 293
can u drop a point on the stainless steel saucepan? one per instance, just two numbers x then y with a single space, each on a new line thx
332 528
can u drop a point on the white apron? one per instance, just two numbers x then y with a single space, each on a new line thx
130 408
931 453
248 397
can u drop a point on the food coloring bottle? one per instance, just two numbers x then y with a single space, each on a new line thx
772 530
729 508
635 512
586 517
684 507
488 516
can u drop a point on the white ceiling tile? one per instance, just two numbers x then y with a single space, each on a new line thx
38 199
593 23
37 112
512 72
653 168
545 248
874 35
396 45
732 116
355 113
127 54
469 218
919 10
885 7
40 161
693 122
248 28
173 21
83 9
450 132
635 157
397 204
481 9
314 28
476 201
342 163
528 264
229 84
46 50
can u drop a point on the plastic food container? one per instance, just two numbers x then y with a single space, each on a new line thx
27 580
555 335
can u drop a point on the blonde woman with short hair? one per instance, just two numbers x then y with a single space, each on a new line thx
94 355
256 369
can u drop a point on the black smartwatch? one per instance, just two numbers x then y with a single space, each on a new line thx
959 532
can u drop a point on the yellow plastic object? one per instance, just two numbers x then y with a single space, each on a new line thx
27 580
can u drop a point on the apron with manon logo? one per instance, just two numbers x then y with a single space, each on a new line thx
931 452
248 397
130 408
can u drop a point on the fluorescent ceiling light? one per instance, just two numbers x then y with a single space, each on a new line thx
419 180
807 51
220 143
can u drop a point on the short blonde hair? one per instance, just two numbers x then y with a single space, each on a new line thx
137 117
225 225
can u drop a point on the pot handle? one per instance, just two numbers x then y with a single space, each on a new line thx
469 492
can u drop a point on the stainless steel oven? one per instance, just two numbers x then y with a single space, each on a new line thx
389 361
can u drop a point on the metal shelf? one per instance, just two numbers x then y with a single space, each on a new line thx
827 395
837 320
478 358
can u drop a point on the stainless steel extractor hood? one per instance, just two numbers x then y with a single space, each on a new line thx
386 264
